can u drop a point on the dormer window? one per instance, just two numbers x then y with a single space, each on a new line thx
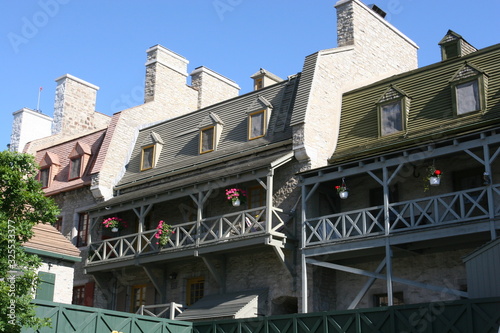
43 177
468 90
258 117
78 160
207 139
257 124
392 111
147 157
49 166
75 167
150 151
210 131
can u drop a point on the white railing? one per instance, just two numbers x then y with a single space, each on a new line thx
170 310
244 224
452 207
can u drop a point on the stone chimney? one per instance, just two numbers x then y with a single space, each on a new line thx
166 74
263 79
74 107
212 87
28 125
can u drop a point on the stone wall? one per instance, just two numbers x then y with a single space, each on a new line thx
63 286
369 49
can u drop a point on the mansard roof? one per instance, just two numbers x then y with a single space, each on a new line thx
88 145
180 151
430 113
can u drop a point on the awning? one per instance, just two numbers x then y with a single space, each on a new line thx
243 304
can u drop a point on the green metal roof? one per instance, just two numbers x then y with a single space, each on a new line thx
430 113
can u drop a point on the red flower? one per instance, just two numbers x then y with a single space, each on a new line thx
437 172
337 187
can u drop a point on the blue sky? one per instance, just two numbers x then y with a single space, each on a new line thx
104 42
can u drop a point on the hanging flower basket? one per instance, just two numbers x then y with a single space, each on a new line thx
114 223
342 190
433 177
163 233
236 196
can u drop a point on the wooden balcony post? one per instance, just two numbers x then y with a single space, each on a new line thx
269 201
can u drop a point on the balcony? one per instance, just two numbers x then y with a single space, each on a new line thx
429 213
223 232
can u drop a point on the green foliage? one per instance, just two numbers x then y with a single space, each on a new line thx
22 205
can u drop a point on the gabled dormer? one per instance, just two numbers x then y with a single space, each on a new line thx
150 151
78 160
453 45
259 113
393 107
210 129
49 167
264 78
468 89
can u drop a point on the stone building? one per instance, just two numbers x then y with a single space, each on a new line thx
58 256
418 155
178 171
173 157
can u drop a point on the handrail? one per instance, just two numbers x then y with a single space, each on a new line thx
173 309
211 230
451 207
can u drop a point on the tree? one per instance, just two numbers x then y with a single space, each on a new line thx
22 205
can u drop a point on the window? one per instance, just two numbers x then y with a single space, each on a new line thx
138 297
258 84
43 177
391 118
78 295
467 97
257 124
392 107
147 158
58 224
468 88
195 289
45 289
383 299
75 166
207 139
83 227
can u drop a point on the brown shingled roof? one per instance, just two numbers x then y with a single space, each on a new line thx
90 143
47 238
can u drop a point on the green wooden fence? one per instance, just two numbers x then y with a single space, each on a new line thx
68 318
466 316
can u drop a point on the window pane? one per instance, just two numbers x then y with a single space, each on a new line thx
147 158
391 121
207 139
83 225
256 125
195 290
74 168
44 177
467 97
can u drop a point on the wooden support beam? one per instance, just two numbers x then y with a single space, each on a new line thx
217 274
382 276
367 286
157 278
